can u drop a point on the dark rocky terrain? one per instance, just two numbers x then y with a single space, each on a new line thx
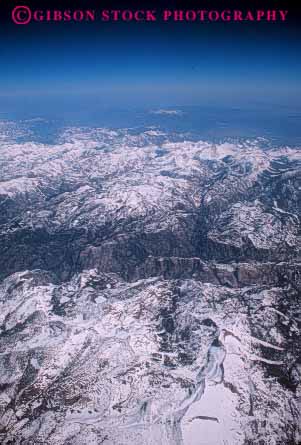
150 291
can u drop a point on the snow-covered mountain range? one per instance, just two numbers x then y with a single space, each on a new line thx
150 290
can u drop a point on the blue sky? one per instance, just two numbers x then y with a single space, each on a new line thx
167 65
